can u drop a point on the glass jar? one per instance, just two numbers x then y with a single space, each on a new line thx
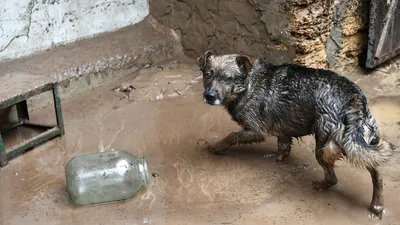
105 177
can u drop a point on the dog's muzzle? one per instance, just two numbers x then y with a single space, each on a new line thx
212 97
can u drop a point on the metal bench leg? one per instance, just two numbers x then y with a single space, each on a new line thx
57 106
3 154
22 111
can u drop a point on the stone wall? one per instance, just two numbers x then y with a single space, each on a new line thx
28 26
355 34
317 33
310 27
328 34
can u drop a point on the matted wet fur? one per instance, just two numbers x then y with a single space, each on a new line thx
290 101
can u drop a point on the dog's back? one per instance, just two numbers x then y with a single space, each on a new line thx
295 101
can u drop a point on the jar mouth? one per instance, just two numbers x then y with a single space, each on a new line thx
145 172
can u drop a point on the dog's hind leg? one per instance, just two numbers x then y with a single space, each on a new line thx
284 147
242 137
326 153
377 195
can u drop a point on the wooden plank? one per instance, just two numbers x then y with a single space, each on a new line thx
387 29
384 32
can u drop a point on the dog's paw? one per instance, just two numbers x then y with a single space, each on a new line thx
376 211
220 147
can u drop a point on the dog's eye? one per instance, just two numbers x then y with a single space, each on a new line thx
208 74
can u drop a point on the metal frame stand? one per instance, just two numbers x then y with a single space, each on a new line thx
23 117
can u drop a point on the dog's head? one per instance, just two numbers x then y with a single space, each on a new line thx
224 76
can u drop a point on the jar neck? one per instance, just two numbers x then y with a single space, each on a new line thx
144 173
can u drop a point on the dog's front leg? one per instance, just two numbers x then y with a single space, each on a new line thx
284 147
241 137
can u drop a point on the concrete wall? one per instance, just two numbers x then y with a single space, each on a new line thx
317 33
28 26
257 27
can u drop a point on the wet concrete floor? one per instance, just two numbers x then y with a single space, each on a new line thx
162 118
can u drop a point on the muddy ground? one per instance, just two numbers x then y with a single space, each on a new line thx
160 115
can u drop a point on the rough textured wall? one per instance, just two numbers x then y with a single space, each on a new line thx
327 33
27 26
317 33
256 27
355 33
310 27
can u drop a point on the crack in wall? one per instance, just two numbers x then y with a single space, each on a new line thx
27 28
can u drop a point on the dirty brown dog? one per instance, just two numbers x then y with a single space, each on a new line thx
290 101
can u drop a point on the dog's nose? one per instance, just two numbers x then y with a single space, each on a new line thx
210 97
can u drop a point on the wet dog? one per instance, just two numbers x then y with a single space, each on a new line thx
290 101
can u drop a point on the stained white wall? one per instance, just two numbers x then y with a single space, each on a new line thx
28 26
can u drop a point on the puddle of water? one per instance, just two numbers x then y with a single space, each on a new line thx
386 108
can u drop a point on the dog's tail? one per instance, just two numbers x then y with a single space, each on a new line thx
360 140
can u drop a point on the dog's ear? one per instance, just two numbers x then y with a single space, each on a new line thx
245 63
204 59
